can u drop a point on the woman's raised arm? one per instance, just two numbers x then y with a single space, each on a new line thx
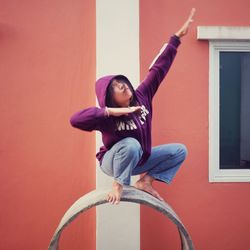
162 63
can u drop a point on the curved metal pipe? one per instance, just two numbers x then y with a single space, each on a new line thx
130 194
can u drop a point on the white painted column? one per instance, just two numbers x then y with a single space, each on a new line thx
117 52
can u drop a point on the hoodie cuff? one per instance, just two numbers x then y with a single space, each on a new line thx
175 41
101 112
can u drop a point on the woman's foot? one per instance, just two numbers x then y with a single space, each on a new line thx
145 184
114 196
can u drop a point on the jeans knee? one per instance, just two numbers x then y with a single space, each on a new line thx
183 151
131 147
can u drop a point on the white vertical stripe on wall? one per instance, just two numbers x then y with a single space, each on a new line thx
117 52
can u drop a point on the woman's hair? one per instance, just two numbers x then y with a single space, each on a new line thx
109 97
109 94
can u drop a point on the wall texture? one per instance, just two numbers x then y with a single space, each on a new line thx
216 215
47 71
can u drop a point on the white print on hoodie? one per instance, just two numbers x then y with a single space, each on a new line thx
130 124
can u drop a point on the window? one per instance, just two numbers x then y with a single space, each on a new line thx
234 80
229 102
229 109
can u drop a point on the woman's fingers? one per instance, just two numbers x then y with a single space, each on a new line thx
189 21
134 109
112 198
184 29
109 197
190 18
138 108
192 13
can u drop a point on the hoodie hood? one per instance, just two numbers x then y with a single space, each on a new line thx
102 86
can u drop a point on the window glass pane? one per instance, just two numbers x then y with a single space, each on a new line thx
234 110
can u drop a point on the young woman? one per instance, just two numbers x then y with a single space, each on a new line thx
124 119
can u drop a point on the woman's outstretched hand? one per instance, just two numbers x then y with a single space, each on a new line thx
184 29
122 111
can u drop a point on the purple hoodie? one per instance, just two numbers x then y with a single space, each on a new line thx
134 125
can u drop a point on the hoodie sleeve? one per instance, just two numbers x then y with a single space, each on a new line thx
89 119
159 68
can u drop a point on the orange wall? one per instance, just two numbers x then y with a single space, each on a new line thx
47 71
216 215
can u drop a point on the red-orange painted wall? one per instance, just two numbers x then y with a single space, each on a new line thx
216 215
47 70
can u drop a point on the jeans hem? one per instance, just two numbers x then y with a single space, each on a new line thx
159 178
122 182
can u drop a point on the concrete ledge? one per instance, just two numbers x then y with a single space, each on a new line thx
223 33
130 194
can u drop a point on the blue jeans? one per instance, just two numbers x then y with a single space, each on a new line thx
121 161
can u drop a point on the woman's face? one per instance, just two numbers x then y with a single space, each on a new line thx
121 93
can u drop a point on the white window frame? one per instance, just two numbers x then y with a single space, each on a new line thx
234 39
